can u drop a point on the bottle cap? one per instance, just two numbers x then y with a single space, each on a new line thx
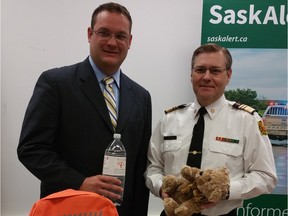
117 136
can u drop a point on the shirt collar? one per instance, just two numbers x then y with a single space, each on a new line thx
100 75
213 108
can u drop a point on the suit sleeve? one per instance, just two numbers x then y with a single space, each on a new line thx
37 144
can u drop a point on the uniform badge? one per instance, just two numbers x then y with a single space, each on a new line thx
244 107
262 128
175 108
224 139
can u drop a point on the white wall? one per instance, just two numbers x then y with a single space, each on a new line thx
0 100
38 35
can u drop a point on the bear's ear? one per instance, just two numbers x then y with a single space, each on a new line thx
225 170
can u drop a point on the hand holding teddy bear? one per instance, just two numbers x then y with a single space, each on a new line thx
196 187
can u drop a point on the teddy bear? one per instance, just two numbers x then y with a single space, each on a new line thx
184 196
194 188
214 183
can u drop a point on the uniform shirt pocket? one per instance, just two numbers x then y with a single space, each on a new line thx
171 145
230 149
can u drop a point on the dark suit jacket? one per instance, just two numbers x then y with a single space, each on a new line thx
67 128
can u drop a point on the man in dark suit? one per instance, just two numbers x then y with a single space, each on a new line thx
67 126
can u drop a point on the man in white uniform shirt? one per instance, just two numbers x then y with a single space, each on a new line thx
234 136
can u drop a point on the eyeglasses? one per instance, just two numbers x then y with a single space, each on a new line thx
106 35
214 71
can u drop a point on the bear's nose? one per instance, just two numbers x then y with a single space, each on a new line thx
201 173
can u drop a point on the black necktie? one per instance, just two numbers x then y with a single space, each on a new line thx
195 151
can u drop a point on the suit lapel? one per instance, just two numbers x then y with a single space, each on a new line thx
90 86
126 99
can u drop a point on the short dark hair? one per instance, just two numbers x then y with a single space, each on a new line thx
111 7
212 48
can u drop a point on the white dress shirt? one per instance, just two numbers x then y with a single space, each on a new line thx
233 138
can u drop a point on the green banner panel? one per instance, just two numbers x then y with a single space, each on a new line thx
265 205
245 24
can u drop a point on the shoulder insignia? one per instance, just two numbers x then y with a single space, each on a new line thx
244 107
262 128
175 108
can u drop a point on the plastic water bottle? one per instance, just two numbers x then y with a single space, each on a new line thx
115 163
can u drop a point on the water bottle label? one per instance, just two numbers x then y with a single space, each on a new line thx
114 166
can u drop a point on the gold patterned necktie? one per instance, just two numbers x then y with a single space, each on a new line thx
110 100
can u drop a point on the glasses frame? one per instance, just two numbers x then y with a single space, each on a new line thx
106 35
214 71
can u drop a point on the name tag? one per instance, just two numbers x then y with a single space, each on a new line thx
170 137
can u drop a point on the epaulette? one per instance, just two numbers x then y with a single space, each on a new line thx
244 107
175 108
